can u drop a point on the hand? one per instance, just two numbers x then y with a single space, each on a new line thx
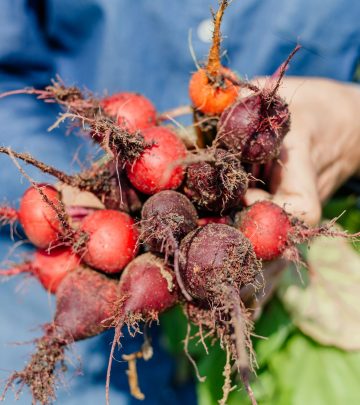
322 149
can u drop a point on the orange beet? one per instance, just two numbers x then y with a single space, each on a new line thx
212 98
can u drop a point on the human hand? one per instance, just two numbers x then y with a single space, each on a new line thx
321 150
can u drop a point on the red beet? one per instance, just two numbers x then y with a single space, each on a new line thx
38 219
147 287
273 232
217 184
49 268
111 240
268 228
84 302
132 111
159 166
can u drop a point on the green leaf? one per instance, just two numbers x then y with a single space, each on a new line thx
307 373
273 328
174 324
327 306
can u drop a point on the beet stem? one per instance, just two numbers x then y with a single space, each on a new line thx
240 83
175 112
178 276
59 210
26 157
14 271
281 71
214 64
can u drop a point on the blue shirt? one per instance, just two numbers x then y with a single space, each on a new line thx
135 46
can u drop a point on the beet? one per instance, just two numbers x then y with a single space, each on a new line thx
50 268
130 110
216 260
268 228
159 167
147 287
216 185
214 255
109 240
38 219
166 218
254 127
273 232
210 87
84 302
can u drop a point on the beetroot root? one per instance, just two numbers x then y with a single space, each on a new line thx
216 260
254 129
147 287
85 302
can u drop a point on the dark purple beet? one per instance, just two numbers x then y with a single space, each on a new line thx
215 256
216 260
216 185
254 127
167 217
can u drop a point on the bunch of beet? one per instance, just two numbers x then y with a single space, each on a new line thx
129 246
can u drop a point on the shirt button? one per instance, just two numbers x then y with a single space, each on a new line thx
205 30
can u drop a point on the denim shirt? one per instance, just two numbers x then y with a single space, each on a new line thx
142 46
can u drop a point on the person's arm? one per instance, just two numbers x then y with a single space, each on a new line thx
322 149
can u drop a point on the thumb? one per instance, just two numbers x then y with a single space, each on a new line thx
293 182
294 179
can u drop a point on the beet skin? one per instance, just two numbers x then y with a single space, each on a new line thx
84 302
254 127
216 255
